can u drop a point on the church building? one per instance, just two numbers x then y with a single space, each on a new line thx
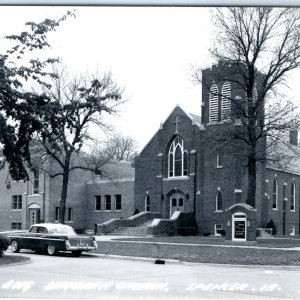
186 168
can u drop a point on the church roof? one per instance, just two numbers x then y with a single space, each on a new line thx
288 159
196 119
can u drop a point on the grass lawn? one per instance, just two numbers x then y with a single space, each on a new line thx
7 259
206 250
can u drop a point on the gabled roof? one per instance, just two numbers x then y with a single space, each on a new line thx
290 161
196 120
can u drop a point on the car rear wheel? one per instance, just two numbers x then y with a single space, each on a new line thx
76 253
51 249
14 246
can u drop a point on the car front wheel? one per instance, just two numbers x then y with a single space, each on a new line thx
51 249
14 246
76 253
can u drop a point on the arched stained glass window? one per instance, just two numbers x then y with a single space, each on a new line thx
275 193
219 201
213 104
177 158
178 161
226 101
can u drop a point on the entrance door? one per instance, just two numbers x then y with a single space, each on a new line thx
176 203
34 216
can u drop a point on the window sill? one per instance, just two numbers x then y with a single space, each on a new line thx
219 167
19 209
218 211
176 178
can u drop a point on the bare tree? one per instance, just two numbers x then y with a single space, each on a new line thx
262 46
122 147
76 105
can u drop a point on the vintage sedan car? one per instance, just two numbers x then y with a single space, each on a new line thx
50 238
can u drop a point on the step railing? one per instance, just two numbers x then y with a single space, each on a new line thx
162 227
133 221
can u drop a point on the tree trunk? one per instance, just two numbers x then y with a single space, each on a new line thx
251 190
64 191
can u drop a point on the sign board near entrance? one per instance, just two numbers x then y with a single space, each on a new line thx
239 229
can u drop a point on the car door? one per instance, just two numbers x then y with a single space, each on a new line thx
28 238
40 238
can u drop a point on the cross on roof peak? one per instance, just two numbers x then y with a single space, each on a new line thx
176 124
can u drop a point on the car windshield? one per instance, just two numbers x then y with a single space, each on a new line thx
64 230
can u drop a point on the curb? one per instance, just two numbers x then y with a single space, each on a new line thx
16 263
177 261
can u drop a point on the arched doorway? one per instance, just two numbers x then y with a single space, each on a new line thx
177 203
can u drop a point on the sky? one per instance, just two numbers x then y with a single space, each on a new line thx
149 51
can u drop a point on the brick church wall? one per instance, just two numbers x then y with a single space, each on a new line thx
125 189
152 166
292 217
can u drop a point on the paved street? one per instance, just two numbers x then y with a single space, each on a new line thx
100 277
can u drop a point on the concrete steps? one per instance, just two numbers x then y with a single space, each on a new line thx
140 230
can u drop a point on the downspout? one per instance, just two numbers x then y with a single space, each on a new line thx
44 197
26 207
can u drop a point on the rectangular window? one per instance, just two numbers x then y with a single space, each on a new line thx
107 202
57 213
292 230
16 226
97 202
218 229
36 181
17 202
118 202
70 214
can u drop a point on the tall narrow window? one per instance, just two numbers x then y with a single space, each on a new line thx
213 104
36 181
185 163
178 158
57 213
219 159
275 193
226 101
107 202
118 202
70 214
178 161
293 196
97 202
219 201
147 202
